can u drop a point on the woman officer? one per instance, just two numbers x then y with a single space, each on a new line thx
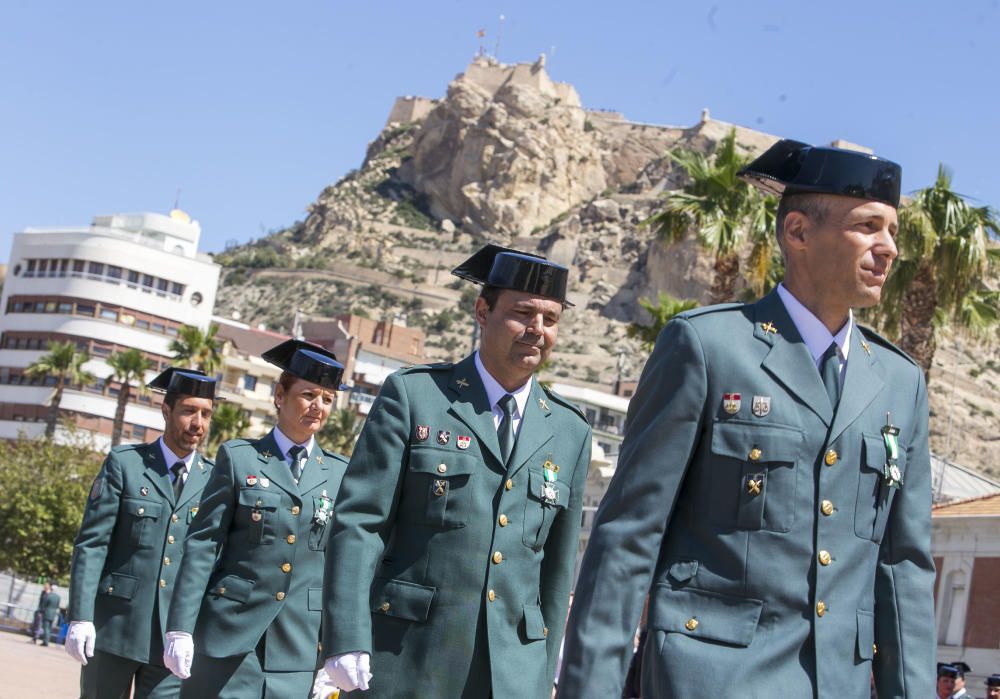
244 620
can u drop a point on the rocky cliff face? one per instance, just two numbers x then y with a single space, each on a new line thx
510 156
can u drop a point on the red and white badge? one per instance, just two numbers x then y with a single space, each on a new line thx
251 480
463 442
731 402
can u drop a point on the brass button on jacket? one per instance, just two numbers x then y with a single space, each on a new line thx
826 508
820 608
296 509
385 606
691 624
503 520
442 468
509 484
755 454
290 538
286 567
280 596
825 558
491 595
831 457
497 557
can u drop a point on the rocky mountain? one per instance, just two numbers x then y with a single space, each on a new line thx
510 156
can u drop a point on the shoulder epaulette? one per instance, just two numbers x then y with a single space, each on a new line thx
241 442
441 366
123 448
335 455
563 401
705 310
210 462
879 340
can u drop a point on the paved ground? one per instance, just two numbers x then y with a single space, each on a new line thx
35 672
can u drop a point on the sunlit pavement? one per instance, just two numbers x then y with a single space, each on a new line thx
36 672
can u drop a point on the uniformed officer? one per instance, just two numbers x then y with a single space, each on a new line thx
451 561
959 691
773 490
48 610
247 607
993 687
946 676
130 543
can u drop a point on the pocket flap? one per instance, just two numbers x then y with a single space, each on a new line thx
534 623
682 571
314 601
119 585
866 635
233 587
142 508
441 463
401 599
775 442
263 499
557 495
704 614
875 454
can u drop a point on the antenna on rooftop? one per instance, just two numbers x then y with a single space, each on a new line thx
481 34
177 199
496 50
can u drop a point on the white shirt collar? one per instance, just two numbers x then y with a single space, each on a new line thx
284 443
494 391
171 458
816 335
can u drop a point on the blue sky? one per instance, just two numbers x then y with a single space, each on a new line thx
251 108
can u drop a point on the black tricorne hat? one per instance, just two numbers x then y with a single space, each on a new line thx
506 268
947 670
793 167
188 382
993 681
309 362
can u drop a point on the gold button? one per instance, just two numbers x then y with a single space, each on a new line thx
296 509
825 558
110 590
826 508
163 583
290 538
503 520
509 484
259 502
820 608
166 560
286 567
222 590
691 624
280 596
142 510
497 557
831 457
173 518
755 454
545 630
491 595
170 539
442 468
385 606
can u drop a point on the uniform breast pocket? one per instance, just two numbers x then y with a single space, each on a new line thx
142 516
874 492
257 512
754 475
544 503
439 487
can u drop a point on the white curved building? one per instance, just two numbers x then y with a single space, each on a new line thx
127 280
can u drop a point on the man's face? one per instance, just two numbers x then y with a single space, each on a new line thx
993 693
945 686
519 333
847 257
959 683
186 423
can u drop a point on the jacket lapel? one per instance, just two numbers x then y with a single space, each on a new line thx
156 471
274 466
470 405
862 383
535 430
315 472
788 360
196 479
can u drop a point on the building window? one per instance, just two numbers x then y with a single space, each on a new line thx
159 328
133 277
95 269
953 609
30 272
108 314
65 307
249 383
114 272
176 288
139 432
77 268
141 324
83 309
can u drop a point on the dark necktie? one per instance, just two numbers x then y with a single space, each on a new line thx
298 461
505 430
178 471
829 369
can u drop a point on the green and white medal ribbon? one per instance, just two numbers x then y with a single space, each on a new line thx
551 473
891 472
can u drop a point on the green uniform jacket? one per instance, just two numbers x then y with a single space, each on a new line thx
253 559
48 605
452 570
130 544
775 551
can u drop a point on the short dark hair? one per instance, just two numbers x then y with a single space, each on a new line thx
171 398
812 205
490 294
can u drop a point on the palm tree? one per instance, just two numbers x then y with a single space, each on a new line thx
725 210
126 366
64 362
662 312
340 431
937 279
229 421
199 350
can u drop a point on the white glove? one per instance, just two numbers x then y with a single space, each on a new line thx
179 653
80 640
323 686
349 671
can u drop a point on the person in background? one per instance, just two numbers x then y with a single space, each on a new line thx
48 610
993 687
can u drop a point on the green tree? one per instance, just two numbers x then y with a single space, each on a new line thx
937 279
126 366
65 363
665 308
194 349
229 421
340 431
43 491
725 210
